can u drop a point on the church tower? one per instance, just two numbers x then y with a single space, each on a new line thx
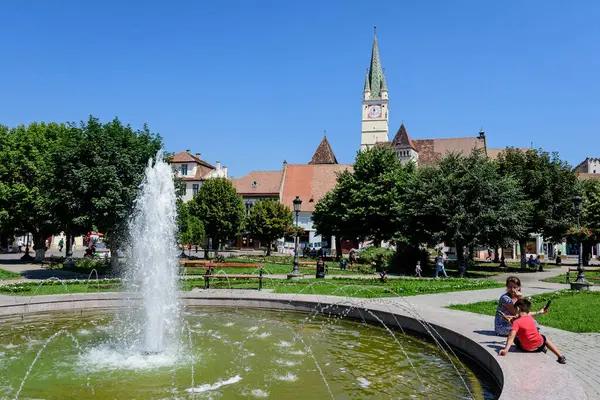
375 114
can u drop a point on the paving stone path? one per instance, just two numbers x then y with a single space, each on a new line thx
581 349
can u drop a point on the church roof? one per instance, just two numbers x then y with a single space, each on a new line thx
375 71
402 140
431 151
324 154
259 183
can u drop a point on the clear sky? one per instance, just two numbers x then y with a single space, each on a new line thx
251 83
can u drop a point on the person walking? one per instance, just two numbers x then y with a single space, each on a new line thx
439 265
20 245
61 244
418 270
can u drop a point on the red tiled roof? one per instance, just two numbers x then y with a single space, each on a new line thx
184 156
259 183
431 151
585 175
310 182
494 153
323 154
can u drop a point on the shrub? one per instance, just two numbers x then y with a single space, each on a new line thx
87 264
379 257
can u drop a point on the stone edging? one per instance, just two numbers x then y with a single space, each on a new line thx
520 375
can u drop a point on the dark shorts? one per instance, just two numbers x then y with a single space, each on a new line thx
538 350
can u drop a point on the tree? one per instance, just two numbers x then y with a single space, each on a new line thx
463 201
190 228
267 221
220 208
590 216
548 184
26 191
113 158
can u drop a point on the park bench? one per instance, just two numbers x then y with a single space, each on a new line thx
210 267
52 262
194 264
568 273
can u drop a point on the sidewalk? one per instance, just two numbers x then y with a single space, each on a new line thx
581 349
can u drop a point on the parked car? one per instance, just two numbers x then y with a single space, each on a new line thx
102 250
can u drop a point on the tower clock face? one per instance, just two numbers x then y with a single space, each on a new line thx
374 111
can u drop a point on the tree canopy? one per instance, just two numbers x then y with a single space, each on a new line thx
548 184
220 208
267 221
463 201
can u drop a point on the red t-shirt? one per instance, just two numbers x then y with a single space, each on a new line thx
527 333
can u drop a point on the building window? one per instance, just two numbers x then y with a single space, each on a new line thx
183 169
195 188
248 207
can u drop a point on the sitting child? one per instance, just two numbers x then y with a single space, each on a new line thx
527 336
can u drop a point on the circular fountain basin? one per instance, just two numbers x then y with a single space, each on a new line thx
229 353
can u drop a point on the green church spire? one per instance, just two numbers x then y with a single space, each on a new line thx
375 71
367 85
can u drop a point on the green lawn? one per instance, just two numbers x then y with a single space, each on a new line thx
570 310
56 287
593 277
270 269
365 288
4 274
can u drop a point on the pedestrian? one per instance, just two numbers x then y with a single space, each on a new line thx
439 265
20 245
418 270
61 244
352 258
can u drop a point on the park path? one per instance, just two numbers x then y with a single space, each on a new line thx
581 349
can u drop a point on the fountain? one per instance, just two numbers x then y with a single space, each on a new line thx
153 347
152 271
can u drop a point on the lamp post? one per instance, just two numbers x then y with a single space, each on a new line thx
296 272
581 283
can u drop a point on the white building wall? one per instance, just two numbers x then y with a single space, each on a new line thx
593 166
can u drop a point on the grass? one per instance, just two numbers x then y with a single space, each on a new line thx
592 276
364 288
270 268
4 274
572 311
56 287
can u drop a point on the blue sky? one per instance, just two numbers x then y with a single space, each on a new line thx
252 83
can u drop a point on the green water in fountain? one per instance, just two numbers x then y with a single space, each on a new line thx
236 353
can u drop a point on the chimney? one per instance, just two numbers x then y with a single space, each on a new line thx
284 164
218 166
225 171
198 156
188 151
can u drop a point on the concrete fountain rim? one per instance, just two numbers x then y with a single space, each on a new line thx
519 375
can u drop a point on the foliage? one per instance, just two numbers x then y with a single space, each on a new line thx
220 208
548 184
267 221
590 216
362 204
88 264
570 310
463 201
190 229
379 257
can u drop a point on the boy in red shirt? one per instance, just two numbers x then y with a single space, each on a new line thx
525 335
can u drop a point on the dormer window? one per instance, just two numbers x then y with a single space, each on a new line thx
183 169
254 184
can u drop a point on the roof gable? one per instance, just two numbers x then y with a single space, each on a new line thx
323 154
402 140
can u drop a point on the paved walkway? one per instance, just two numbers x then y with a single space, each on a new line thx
581 349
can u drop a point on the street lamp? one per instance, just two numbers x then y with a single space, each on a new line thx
296 272
581 282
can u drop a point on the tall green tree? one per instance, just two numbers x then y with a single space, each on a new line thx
220 208
590 216
190 228
113 157
26 191
463 201
267 221
548 184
